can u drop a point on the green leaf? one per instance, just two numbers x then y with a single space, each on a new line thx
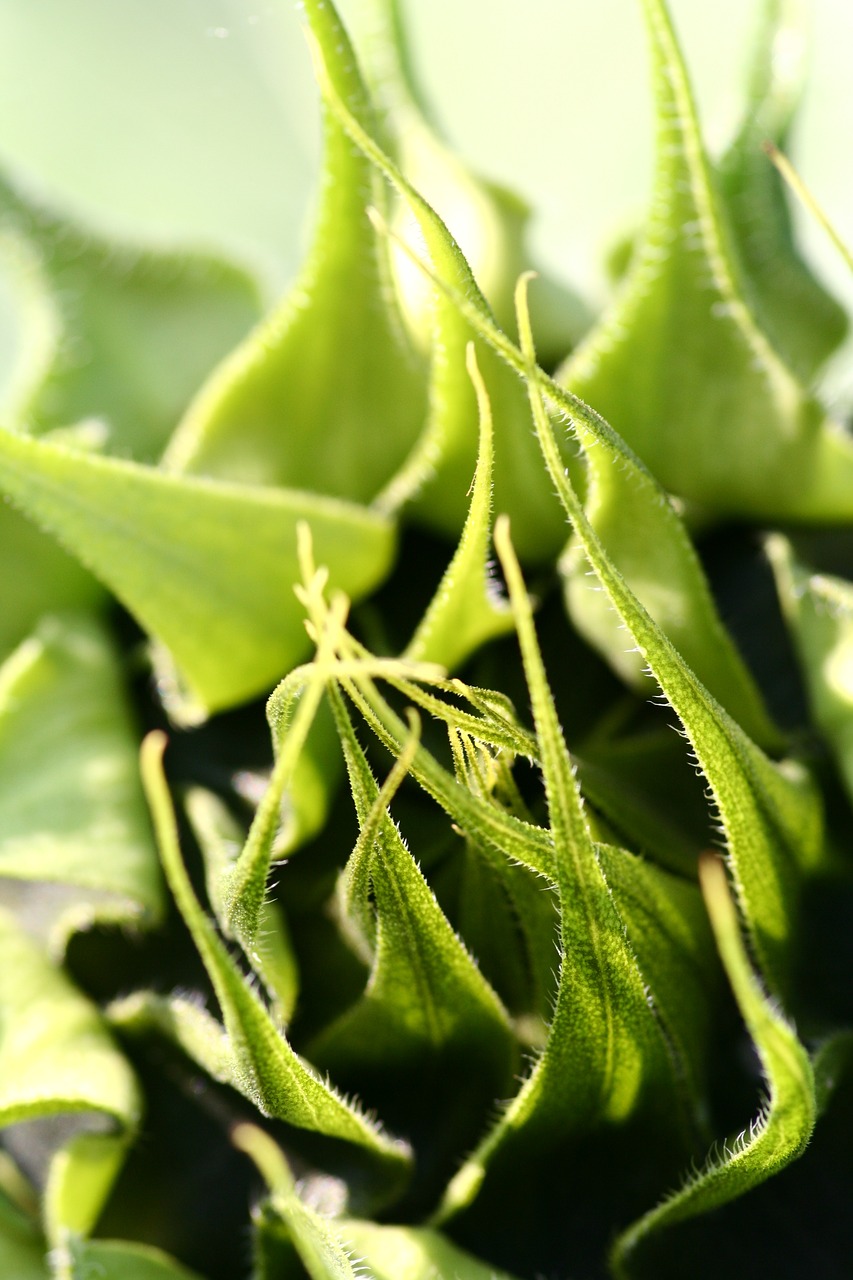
53 580
242 888
644 789
55 1054
59 1067
804 323
771 814
782 1128
509 923
412 1253
349 1248
680 366
605 1055
75 840
668 929
819 612
436 478
427 1012
327 394
272 957
115 334
635 514
466 610
322 1252
118 333
492 825
184 1023
21 1247
267 1070
206 567
121 1260
490 222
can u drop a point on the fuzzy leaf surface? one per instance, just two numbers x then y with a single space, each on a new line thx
636 515
437 475
465 611
803 321
425 996
782 1128
267 1070
605 1052
206 567
327 394
771 814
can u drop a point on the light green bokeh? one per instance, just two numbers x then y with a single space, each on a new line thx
197 118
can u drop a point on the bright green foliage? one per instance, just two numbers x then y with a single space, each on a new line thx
604 1049
116 338
819 610
780 1132
75 842
224 607
803 322
57 1060
465 611
445 457
265 1068
293 404
624 496
488 221
770 813
754 443
495 1016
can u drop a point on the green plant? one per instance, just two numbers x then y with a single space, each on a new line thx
538 1026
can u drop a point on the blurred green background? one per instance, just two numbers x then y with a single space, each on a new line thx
196 119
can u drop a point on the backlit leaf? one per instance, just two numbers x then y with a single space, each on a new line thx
266 1068
75 840
326 394
437 475
679 365
804 323
118 333
780 1131
206 567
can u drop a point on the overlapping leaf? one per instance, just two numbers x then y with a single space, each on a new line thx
782 1128
819 612
489 222
466 611
427 1012
326 394
442 463
680 366
644 531
771 814
75 841
264 1066
119 333
606 1054
59 1066
206 567
115 334
804 323
348 1248
220 840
